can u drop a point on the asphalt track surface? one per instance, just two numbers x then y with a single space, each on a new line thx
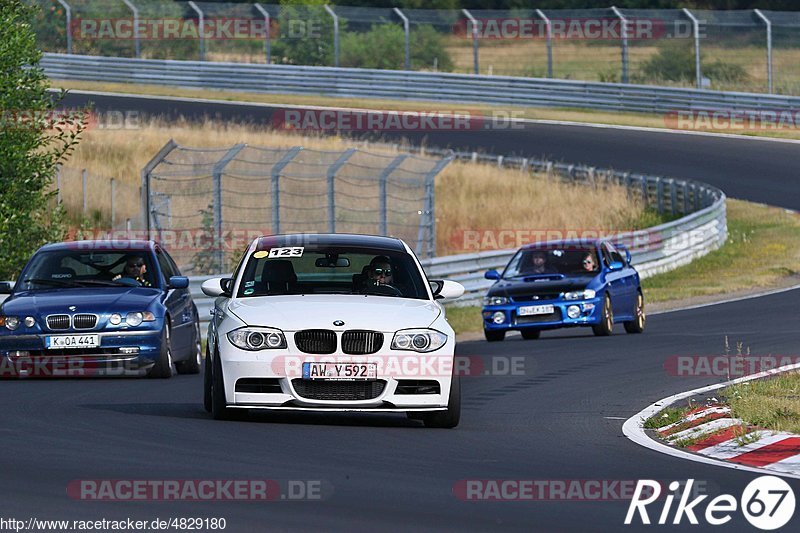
560 420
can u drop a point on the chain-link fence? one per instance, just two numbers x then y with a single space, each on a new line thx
730 50
206 205
97 200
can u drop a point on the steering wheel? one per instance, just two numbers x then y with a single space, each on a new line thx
128 282
384 289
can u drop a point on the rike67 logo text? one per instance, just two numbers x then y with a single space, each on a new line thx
767 502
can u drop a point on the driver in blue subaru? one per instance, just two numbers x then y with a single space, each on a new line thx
135 268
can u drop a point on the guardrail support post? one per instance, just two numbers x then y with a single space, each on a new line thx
382 181
331 175
623 24
276 190
200 30
474 24
769 47
217 172
548 28
698 72
335 34
268 36
136 37
407 36
68 12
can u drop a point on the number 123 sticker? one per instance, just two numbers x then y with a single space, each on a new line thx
289 251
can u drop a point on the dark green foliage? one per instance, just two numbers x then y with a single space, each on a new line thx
33 141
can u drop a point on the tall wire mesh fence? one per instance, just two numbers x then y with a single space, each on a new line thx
745 50
206 205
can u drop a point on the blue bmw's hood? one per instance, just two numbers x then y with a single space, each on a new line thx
86 300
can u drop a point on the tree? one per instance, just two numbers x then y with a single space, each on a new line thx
34 139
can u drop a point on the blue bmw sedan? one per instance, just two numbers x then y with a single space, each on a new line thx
564 284
99 308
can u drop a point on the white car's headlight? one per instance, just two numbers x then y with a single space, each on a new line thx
418 340
588 294
495 300
257 338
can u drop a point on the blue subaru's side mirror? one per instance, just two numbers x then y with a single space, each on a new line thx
492 274
616 265
178 282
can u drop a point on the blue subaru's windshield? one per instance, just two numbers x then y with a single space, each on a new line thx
568 260
81 268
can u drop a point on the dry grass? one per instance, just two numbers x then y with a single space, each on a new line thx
469 196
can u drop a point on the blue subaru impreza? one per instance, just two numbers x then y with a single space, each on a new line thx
564 284
99 308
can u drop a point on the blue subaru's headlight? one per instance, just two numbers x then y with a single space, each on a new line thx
587 294
495 300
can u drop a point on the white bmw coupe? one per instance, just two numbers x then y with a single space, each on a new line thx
332 322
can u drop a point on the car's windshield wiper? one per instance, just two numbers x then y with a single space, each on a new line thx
102 282
56 282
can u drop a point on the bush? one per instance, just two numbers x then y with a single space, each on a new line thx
383 47
675 61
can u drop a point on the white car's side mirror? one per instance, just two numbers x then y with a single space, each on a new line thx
447 290
213 287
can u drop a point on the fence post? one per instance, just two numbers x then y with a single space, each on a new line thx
474 24
383 180
624 40
331 175
68 12
267 40
769 47
219 168
136 37
427 220
200 30
408 35
113 202
548 28
698 72
148 168
276 190
85 179
335 34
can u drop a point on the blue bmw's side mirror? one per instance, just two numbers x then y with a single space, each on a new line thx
616 265
6 287
178 282
492 274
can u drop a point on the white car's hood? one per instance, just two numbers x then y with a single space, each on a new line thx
319 311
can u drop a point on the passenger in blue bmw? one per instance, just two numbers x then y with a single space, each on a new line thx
563 284
100 308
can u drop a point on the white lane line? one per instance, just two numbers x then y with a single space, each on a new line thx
633 428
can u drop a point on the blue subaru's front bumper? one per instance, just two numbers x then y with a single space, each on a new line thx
589 314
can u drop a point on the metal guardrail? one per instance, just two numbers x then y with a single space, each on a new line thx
407 85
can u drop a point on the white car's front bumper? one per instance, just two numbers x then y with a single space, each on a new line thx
282 368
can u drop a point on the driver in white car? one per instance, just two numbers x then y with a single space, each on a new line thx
380 271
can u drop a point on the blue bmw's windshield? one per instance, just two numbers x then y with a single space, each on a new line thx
79 268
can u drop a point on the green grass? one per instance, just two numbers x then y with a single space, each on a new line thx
763 251
667 416
772 403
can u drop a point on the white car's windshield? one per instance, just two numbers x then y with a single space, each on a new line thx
331 270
